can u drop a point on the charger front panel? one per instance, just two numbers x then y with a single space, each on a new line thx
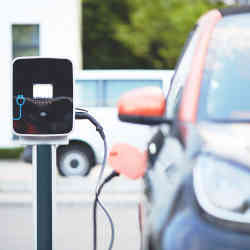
42 96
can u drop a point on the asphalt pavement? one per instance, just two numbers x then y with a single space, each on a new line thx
74 210
73 227
16 186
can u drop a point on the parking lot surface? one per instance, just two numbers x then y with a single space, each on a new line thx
74 210
16 186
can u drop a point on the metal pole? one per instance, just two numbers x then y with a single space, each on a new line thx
44 202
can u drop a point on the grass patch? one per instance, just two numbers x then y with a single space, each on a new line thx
10 153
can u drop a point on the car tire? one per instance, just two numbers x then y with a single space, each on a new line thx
75 160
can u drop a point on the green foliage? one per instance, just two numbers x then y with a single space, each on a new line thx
157 29
10 153
137 33
101 50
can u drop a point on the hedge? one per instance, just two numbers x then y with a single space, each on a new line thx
11 153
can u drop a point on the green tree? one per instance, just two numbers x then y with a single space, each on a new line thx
156 30
101 49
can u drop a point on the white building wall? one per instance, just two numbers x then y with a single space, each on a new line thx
59 22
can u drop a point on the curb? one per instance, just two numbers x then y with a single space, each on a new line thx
72 198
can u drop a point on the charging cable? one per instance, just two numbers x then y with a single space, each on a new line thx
98 202
83 114
20 100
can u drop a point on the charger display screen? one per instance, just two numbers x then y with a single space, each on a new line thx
42 90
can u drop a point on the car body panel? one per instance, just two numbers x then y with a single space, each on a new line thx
189 103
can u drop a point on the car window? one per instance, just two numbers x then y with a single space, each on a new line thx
226 81
181 74
105 93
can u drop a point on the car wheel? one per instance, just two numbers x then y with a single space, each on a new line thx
75 160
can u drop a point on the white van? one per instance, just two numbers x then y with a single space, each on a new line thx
98 92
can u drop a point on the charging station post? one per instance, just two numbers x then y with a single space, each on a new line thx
43 116
44 196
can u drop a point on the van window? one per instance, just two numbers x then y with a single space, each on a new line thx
105 93
113 89
86 93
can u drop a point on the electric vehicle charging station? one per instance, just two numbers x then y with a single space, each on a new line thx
43 116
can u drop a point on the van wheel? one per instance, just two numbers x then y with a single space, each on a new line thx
75 160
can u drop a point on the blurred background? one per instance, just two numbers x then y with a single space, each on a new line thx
117 35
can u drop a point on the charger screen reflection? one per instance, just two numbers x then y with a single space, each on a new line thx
42 90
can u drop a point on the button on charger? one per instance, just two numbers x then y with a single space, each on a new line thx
43 114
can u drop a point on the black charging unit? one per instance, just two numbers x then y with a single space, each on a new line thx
43 116
42 97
